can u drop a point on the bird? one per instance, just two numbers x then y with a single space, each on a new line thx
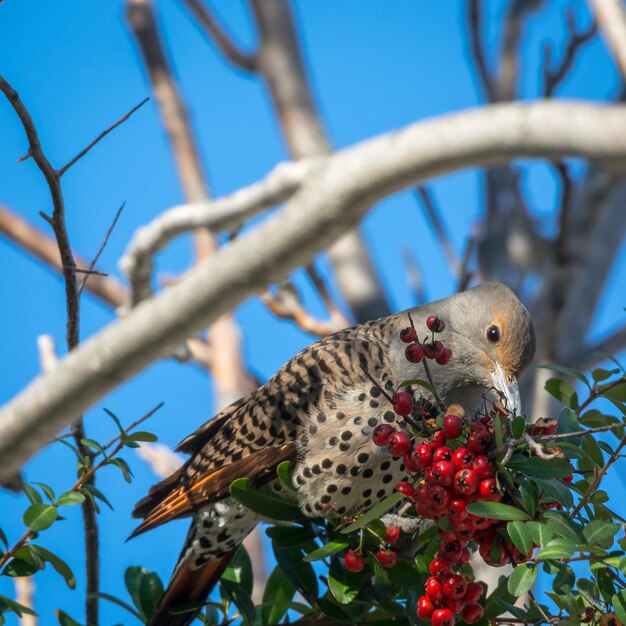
319 411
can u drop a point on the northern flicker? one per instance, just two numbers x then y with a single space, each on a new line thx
319 410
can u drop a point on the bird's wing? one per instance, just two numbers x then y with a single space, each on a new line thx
208 486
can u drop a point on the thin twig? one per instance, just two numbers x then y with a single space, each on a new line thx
611 17
475 22
221 38
100 249
553 76
99 138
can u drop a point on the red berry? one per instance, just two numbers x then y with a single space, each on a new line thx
406 489
381 434
354 561
422 455
569 479
433 350
452 426
435 324
387 558
462 458
393 533
403 403
425 608
438 497
474 593
485 535
451 550
442 454
437 440
423 509
454 586
442 473
489 490
457 510
484 467
464 531
472 613
408 334
434 589
409 464
399 443
414 353
479 441
456 606
466 555
493 553
440 567
443 617
466 482
445 356
447 536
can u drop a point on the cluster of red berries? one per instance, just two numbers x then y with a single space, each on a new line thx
429 349
355 562
448 594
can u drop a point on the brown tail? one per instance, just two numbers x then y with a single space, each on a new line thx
188 587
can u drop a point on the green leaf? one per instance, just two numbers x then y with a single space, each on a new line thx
290 536
16 607
529 496
264 502
600 533
123 467
332 547
619 604
65 620
18 567
557 549
239 570
40 516
141 435
71 497
493 606
32 494
594 419
590 446
562 391
404 574
116 419
522 579
57 563
420 383
92 443
497 510
96 493
554 490
568 371
285 474
564 527
615 392
344 585
121 603
600 374
145 589
47 490
564 579
542 468
299 572
278 592
520 536
540 532
374 513
240 599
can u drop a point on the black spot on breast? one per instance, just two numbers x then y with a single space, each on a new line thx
372 421
346 435
321 417
327 463
367 503
333 441
362 458
374 392
262 441
367 493
344 446
307 508
374 404
307 472
207 523
341 510
325 499
331 488
223 536
380 493
346 490
341 468
312 429
300 480
361 397
358 419
316 469
205 544
387 478
385 465
368 473
354 471
389 416
402 468
340 415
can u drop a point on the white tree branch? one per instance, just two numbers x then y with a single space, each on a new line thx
333 198
611 16
226 213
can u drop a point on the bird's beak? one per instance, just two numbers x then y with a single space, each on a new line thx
508 386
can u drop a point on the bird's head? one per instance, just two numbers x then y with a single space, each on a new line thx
492 339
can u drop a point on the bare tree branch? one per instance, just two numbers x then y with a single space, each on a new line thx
611 17
57 221
222 39
333 199
99 138
475 21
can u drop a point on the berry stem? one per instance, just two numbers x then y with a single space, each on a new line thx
440 404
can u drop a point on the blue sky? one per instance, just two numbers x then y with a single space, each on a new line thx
374 66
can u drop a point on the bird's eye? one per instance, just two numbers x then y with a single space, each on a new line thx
493 334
